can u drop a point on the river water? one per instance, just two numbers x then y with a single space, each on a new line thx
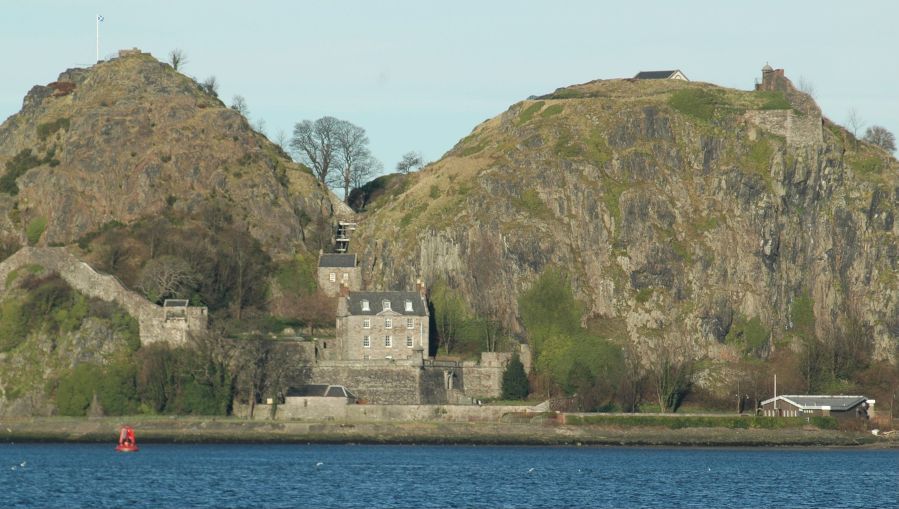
349 476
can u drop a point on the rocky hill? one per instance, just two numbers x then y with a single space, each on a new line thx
681 211
130 138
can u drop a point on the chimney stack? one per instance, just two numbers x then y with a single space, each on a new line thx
344 290
420 286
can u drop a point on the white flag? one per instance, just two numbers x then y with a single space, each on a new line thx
99 18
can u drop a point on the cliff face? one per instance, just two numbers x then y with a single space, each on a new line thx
678 209
127 138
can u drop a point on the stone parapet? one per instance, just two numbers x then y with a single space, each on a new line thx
82 277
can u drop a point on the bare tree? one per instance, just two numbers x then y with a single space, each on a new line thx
166 276
854 122
281 140
411 161
239 104
806 86
363 170
253 357
351 145
177 58
259 127
881 137
211 86
671 372
315 145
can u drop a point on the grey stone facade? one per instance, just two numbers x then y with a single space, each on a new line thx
336 270
381 325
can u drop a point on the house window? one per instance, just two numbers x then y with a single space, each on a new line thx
365 305
388 341
345 276
366 323
408 305
410 323
388 323
409 341
332 277
386 305
366 341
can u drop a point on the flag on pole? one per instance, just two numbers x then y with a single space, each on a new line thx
99 18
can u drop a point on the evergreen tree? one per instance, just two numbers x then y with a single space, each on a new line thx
515 380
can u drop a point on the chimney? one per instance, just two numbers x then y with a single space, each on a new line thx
344 290
420 286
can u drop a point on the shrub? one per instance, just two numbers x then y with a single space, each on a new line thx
46 129
35 229
15 168
515 380
77 388
13 325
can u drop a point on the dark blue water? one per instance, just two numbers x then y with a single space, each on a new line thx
347 476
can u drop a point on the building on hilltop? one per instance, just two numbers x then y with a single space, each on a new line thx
381 325
661 75
336 270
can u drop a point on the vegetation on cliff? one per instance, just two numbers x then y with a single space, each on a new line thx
722 234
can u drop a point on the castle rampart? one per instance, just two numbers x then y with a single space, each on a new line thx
154 325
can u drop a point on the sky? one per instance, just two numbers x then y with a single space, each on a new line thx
420 75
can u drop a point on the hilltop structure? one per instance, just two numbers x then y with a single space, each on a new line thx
661 75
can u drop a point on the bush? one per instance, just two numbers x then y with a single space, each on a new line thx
13 325
15 168
46 129
35 229
77 388
515 380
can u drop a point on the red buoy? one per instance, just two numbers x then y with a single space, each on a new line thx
127 442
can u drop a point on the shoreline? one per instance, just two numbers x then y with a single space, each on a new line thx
225 430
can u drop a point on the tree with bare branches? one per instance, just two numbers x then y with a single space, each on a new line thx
315 145
881 137
177 58
166 277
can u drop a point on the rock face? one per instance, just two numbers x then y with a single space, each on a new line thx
127 138
678 209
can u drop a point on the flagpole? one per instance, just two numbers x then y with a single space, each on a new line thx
97 19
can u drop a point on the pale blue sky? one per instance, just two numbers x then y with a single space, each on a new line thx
420 75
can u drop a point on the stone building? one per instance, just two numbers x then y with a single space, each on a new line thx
381 325
336 270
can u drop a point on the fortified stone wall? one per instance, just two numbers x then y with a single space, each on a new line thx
339 411
800 130
387 383
83 278
484 379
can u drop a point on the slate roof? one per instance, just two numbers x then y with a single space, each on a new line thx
654 75
337 260
818 402
397 303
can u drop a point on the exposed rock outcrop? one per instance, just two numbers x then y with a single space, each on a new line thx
677 209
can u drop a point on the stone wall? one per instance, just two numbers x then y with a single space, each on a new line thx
371 381
351 277
339 411
83 278
799 130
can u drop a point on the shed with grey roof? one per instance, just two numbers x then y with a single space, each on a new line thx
794 405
